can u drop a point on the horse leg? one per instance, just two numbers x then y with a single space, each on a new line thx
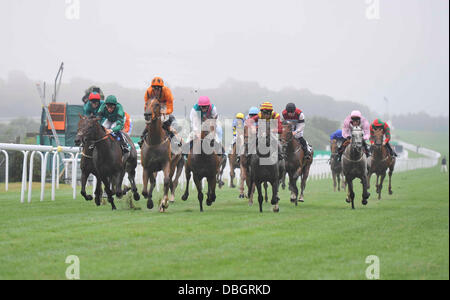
303 184
369 176
274 201
175 181
391 170
242 181
198 184
260 196
333 174
109 192
350 193
283 181
98 192
211 190
167 182
152 179
232 173
84 177
131 178
265 192
377 186
293 188
366 193
380 187
188 177
343 181
145 183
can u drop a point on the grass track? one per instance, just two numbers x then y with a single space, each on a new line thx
321 239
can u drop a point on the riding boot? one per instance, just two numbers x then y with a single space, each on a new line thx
391 151
141 141
123 143
304 146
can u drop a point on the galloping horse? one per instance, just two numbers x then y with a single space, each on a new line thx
265 168
380 161
156 155
87 165
336 167
354 165
297 165
203 165
110 165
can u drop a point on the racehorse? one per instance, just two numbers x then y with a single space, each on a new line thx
87 165
354 165
297 165
264 168
203 165
336 166
379 162
156 155
110 165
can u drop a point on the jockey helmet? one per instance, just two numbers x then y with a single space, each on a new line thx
112 100
266 106
94 96
356 114
157 81
204 101
290 108
253 111
240 116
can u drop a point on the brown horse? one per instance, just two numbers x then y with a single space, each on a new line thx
297 165
156 155
206 164
86 164
380 162
110 165
336 167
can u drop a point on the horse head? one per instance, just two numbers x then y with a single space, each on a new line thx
357 138
152 111
87 127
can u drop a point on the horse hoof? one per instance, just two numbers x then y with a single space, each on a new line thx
232 186
250 203
301 200
88 198
391 192
145 194
293 200
136 197
276 210
347 200
149 204
184 197
364 202
209 203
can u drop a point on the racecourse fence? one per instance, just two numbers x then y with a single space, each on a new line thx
69 157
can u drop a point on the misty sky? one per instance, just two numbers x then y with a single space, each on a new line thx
327 46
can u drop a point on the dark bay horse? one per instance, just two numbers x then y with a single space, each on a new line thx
336 166
297 165
86 164
110 165
156 155
204 164
380 162
354 165
264 167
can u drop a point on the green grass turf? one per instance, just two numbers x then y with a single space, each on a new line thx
438 141
320 239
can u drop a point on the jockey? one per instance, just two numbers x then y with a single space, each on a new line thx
356 119
201 112
238 124
337 135
253 111
92 89
267 113
294 114
113 119
378 124
165 97
92 107
128 124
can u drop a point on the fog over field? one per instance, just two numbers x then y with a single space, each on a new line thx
349 50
